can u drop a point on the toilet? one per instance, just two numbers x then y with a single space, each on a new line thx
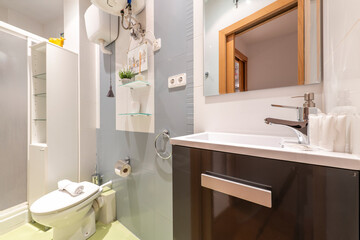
71 218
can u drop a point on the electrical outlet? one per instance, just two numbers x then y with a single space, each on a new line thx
181 80
171 82
157 44
177 80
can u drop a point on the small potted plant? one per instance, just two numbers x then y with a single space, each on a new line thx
126 75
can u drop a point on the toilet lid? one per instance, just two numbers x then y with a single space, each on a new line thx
59 200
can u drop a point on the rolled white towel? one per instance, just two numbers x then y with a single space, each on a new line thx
327 133
341 133
74 189
63 183
314 128
355 135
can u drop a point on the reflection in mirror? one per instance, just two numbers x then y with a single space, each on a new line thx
270 51
277 46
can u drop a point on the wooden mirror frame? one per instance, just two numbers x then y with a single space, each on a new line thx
266 14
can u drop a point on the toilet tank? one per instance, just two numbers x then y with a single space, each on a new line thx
100 25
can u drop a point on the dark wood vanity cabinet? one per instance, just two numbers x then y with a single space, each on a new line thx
306 201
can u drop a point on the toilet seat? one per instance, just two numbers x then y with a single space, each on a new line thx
60 200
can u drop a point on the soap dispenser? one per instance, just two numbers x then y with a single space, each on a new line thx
96 178
309 105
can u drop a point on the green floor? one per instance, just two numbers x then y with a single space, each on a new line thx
30 231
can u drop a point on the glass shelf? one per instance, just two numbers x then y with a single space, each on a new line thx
40 119
134 114
40 94
135 84
40 76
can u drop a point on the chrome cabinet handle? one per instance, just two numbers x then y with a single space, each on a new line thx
239 190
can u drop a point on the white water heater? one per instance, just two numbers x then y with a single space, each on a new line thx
101 28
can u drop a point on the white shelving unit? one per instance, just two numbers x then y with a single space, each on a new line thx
38 95
137 91
53 150
142 92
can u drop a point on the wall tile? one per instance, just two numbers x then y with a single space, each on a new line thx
198 62
144 199
163 228
342 54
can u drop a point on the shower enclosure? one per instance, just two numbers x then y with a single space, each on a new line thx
14 125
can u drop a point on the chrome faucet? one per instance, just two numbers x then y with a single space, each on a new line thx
299 126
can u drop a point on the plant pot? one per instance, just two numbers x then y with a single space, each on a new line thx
126 80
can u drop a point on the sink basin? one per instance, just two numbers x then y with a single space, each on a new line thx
237 139
273 147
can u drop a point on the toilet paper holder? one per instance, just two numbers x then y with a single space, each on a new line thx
127 160
123 167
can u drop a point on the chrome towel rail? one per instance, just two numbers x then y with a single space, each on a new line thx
165 134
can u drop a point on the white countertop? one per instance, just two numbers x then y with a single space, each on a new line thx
223 143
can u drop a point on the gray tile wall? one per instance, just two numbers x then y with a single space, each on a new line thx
144 199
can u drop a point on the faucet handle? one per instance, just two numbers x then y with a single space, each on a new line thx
284 106
300 111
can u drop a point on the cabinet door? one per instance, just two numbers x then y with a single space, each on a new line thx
36 172
62 115
307 201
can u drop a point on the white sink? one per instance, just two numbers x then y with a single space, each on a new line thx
237 139
273 147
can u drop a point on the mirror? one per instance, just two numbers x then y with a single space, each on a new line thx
256 45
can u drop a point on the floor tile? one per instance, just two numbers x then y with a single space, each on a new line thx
30 231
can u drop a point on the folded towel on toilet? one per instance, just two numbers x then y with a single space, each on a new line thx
74 189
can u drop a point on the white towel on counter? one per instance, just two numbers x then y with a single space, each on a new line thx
341 133
355 135
338 131
74 189
327 133
314 128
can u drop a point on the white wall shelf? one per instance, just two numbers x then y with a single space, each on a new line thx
135 84
40 76
40 94
135 114
141 92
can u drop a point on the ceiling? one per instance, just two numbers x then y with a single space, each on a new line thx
39 10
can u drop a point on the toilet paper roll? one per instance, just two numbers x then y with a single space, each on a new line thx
122 168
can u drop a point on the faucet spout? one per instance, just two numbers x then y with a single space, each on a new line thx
293 125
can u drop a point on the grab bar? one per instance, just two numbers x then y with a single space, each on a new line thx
239 190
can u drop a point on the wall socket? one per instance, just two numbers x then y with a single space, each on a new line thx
177 80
